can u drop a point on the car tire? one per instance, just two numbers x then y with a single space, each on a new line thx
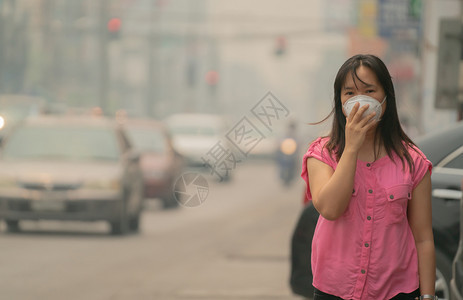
12 225
443 275
134 223
121 225
227 178
169 202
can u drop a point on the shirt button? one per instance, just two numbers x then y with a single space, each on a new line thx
368 218
367 245
368 164
363 271
391 196
370 191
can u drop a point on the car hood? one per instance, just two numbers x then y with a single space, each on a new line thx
59 171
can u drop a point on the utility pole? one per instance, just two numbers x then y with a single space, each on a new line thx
150 88
103 57
2 44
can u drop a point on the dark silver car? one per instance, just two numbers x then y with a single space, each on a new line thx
70 168
456 284
444 148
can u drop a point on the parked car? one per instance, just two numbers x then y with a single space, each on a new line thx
456 284
160 163
444 148
70 168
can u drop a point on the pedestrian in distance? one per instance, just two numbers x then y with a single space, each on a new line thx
372 187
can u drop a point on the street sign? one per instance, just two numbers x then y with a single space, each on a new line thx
448 64
399 19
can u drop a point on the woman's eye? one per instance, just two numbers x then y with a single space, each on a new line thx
370 91
349 93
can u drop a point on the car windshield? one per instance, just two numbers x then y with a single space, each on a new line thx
69 143
147 139
194 130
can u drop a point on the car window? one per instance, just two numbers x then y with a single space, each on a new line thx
147 139
75 143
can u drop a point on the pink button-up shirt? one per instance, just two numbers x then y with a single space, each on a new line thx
369 252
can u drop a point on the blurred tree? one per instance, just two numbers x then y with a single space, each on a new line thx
415 9
13 46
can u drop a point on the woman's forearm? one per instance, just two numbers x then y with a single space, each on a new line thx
426 266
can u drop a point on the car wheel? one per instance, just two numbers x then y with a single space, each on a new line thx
121 225
227 178
443 275
13 225
169 202
134 223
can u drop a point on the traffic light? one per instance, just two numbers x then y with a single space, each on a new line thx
212 78
114 28
280 47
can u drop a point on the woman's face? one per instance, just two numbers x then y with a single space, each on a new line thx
369 86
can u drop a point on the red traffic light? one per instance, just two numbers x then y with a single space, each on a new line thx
280 47
212 77
114 25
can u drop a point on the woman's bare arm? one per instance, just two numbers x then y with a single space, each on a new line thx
420 220
332 190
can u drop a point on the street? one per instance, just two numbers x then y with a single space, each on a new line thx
235 245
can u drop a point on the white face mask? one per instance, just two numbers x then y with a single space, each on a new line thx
375 106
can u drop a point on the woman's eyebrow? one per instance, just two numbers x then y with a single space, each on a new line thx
367 85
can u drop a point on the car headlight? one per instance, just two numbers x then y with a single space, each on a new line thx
288 146
113 184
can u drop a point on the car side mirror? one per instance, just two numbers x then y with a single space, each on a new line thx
133 156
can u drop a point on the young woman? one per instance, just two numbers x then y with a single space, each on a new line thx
372 188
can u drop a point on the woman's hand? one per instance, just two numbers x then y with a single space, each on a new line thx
357 126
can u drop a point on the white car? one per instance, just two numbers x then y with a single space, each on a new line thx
193 135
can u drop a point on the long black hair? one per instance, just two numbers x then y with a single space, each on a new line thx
389 128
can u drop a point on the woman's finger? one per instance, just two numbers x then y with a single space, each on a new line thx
359 113
353 111
368 119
